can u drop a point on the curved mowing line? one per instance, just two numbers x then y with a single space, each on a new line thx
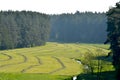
94 49
39 61
61 63
9 57
99 48
86 49
25 60
24 57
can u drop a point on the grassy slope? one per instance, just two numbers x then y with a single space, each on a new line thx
53 58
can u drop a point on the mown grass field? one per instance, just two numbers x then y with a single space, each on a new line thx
54 61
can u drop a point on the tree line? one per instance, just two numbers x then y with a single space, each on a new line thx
26 28
23 29
85 27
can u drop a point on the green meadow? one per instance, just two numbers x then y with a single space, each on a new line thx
54 61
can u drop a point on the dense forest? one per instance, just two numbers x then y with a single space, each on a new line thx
26 29
23 29
85 27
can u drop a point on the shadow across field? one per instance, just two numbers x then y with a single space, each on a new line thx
109 75
104 68
104 58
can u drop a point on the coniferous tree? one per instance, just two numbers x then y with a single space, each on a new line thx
113 30
23 29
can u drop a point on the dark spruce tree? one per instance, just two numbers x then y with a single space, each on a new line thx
23 29
113 30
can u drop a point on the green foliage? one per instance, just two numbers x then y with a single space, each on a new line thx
23 29
113 29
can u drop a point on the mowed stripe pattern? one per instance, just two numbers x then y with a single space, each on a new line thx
53 58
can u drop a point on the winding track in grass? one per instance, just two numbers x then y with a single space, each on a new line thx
24 60
61 63
39 61
9 57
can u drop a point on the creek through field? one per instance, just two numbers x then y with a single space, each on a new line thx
85 67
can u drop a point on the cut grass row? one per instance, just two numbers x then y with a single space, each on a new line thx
50 65
55 59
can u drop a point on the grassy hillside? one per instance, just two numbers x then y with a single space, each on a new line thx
54 61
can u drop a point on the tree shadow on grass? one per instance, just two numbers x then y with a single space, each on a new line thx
109 75
104 58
